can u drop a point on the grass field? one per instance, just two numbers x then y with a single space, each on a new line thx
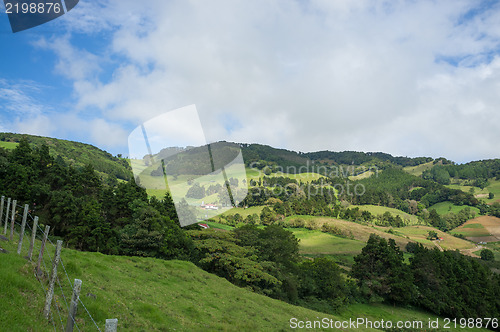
443 208
245 212
378 210
483 228
147 294
358 231
8 145
482 194
317 243
364 175
419 234
419 169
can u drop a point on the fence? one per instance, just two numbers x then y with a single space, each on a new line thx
10 211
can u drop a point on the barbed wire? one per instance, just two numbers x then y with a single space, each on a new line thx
19 212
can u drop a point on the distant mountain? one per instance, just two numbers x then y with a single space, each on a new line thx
253 153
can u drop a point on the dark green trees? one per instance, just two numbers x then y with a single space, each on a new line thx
381 272
487 255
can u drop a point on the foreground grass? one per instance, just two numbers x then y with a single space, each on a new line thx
147 294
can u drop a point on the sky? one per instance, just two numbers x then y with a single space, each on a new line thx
410 78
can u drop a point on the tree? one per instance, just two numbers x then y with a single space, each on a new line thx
432 235
196 191
267 216
487 255
381 272
320 278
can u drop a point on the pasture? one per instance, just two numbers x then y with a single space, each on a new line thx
443 208
481 229
379 210
8 145
419 169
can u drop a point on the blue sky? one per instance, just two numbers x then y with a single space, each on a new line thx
405 77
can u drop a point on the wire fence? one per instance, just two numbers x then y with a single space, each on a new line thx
11 212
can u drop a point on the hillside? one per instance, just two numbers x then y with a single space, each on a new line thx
481 229
147 294
74 153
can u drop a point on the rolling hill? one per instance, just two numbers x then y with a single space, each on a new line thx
147 294
75 153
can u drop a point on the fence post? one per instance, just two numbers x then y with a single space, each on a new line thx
14 203
33 237
2 201
23 226
6 216
42 248
52 281
111 325
73 305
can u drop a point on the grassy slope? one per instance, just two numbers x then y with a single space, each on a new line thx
148 294
419 169
8 145
376 210
145 294
447 207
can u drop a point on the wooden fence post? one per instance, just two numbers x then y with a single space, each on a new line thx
14 203
42 248
111 325
73 305
23 226
6 216
33 238
2 201
52 281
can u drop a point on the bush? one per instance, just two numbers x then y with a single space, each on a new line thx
487 255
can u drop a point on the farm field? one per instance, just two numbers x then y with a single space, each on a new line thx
357 231
481 229
419 169
378 210
419 234
362 176
443 208
253 174
316 243
482 194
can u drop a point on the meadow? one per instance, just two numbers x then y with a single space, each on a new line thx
447 207
147 294
8 145
380 210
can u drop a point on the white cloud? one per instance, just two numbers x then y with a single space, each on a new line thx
404 77
37 125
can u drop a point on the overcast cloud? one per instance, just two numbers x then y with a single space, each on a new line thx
404 77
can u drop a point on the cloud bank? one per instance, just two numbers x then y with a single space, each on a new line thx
405 77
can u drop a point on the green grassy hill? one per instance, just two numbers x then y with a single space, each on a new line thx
148 294
419 169
380 210
75 153
447 207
